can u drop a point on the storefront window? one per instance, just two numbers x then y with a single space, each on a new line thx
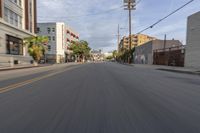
14 45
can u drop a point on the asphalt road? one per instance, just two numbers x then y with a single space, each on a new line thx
101 98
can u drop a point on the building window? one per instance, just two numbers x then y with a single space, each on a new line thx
30 16
49 38
53 30
15 19
31 25
49 48
20 3
20 22
17 2
14 45
11 17
30 9
68 32
6 11
38 30
49 30
53 38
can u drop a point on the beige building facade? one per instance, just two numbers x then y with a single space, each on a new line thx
60 37
17 21
136 40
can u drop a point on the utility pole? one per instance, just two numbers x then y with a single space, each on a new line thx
166 58
165 40
118 38
129 5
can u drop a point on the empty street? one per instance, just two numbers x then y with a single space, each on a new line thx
100 98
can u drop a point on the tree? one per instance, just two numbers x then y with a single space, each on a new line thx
36 46
86 48
114 54
80 49
109 57
124 54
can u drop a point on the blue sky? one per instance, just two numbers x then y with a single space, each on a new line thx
100 30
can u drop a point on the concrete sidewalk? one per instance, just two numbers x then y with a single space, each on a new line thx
21 72
169 68
32 66
22 67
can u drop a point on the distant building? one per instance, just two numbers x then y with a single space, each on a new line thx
60 36
192 58
97 55
144 54
108 54
137 40
17 21
71 36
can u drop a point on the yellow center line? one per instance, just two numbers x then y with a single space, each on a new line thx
17 85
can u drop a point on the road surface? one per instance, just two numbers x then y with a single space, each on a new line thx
100 98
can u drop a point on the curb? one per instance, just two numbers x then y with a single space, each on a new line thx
169 70
28 67
179 71
18 68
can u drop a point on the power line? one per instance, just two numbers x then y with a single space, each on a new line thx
92 14
151 26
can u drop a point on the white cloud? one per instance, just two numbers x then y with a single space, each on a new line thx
100 30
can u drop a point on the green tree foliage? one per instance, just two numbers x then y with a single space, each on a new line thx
123 55
109 57
115 53
36 46
80 49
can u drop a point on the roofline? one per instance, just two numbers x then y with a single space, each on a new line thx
194 14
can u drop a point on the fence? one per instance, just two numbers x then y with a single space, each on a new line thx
173 56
